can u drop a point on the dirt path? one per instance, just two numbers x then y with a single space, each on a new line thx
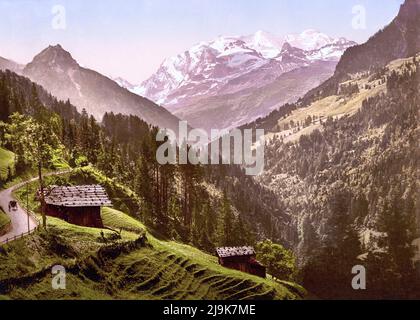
20 221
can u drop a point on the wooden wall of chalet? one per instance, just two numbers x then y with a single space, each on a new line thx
258 270
244 264
81 216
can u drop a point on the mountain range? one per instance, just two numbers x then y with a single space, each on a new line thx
398 40
6 64
218 84
341 138
55 69
212 83
342 161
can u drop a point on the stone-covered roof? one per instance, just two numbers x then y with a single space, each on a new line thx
77 196
225 252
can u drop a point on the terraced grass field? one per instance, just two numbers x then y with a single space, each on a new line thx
171 270
128 264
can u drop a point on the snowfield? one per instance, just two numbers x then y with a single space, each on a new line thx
207 67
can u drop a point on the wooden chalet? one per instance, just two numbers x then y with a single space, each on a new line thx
242 259
80 205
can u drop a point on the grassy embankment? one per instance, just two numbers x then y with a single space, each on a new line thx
4 221
7 159
6 163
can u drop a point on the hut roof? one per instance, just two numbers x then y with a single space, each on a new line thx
235 252
77 196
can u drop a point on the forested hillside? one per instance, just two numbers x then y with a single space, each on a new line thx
399 39
194 204
351 190
181 203
343 161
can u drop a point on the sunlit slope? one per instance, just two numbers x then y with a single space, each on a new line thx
6 162
104 267
335 106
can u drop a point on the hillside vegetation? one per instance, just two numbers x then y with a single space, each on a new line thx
350 185
348 100
127 261
4 220
128 265
399 39
133 264
175 199
6 163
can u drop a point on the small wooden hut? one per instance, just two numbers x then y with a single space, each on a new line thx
79 205
242 259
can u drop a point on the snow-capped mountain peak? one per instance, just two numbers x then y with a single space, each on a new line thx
309 40
124 83
265 43
229 64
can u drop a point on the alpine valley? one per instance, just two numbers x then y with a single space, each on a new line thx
81 186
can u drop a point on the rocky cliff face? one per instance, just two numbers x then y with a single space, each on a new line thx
400 39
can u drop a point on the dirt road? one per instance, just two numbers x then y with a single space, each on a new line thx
21 222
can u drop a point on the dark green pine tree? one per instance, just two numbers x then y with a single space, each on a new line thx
4 100
144 188
398 222
226 233
328 271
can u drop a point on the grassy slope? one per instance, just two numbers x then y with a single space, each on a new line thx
4 219
27 262
158 270
171 270
336 106
6 161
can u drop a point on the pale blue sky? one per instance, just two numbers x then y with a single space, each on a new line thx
130 38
